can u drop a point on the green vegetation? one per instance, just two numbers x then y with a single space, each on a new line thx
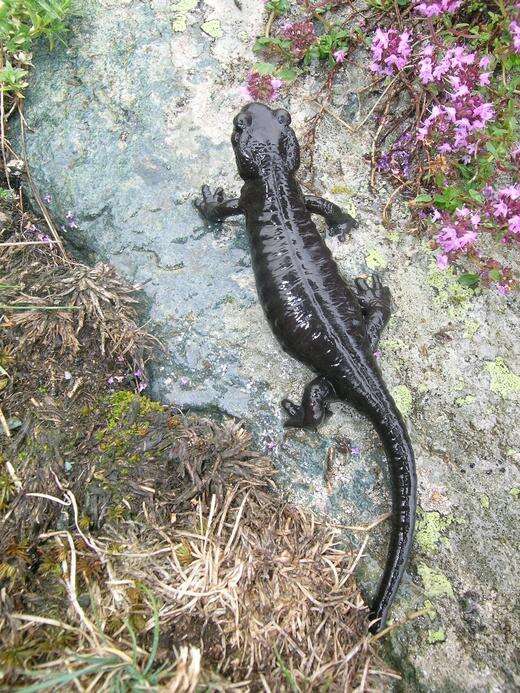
22 22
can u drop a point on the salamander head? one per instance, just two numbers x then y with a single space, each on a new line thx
262 137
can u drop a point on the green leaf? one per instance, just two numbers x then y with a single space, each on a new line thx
470 280
264 68
288 74
475 195
495 275
424 197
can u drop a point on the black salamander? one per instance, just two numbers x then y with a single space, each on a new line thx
331 326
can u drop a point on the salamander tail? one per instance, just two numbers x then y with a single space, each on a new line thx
401 463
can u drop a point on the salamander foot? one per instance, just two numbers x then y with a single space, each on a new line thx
376 303
314 408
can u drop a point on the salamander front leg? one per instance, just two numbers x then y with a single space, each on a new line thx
376 302
339 222
213 207
314 407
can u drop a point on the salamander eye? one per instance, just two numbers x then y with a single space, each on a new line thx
242 120
283 116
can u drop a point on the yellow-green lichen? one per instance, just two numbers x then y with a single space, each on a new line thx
212 28
484 501
436 584
429 610
463 401
515 492
392 344
472 326
341 189
436 636
430 528
403 399
503 381
375 260
450 295
181 9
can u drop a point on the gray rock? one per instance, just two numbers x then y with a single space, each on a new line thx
126 123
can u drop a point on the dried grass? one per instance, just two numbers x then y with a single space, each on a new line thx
247 591
50 299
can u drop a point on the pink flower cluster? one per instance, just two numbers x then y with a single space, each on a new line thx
457 69
261 87
456 125
455 128
301 35
504 210
390 51
514 28
433 8
459 232
456 234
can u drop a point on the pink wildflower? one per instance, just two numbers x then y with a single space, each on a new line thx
515 154
514 28
301 35
340 55
390 51
455 128
442 261
433 8
261 87
457 233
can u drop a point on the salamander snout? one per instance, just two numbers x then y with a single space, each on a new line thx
264 123
260 132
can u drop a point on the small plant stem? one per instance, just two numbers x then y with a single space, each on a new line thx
18 243
2 133
398 624
34 190
358 127
334 115
6 306
4 424
269 24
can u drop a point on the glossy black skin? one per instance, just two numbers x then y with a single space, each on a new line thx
331 326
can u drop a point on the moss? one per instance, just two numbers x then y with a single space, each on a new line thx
451 296
503 381
403 399
436 636
120 403
375 260
430 528
436 584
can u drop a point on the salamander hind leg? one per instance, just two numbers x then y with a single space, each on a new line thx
314 407
376 302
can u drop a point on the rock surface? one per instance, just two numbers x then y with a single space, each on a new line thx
126 123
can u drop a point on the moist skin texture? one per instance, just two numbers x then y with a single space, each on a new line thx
330 325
